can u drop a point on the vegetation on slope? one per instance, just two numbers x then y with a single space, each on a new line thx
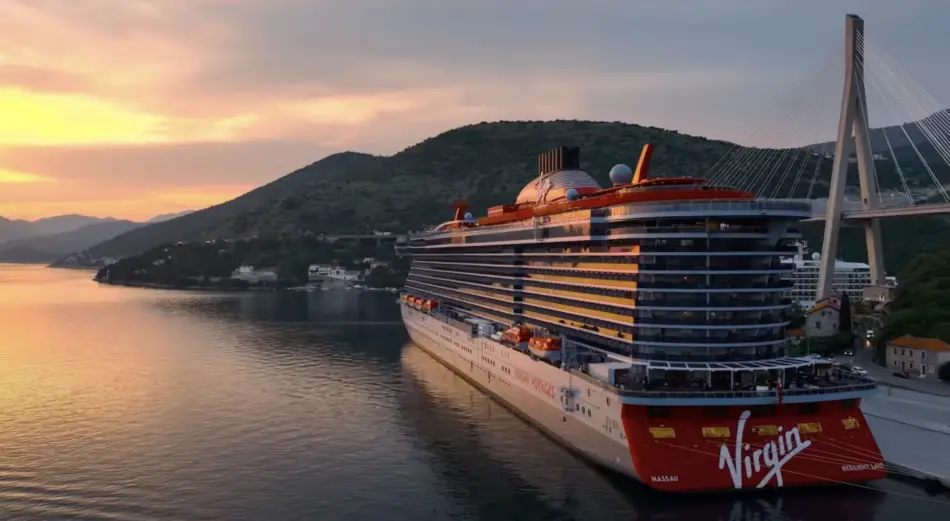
211 263
922 304
486 164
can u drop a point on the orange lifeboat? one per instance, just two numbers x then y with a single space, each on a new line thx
546 348
517 335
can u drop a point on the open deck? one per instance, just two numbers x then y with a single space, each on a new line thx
652 382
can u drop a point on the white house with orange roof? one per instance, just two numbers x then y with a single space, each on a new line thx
917 355
825 318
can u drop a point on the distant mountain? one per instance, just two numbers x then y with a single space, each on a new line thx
47 248
12 229
168 216
65 223
895 135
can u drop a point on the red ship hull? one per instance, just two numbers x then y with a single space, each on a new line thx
694 449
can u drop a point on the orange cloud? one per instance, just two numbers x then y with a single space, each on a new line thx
133 206
48 119
14 177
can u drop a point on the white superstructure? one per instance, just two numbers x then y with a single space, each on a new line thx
850 277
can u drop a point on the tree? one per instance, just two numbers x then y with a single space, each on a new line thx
943 372
796 316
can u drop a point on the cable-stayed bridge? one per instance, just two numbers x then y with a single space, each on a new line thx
900 170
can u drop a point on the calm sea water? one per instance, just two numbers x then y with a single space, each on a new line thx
133 404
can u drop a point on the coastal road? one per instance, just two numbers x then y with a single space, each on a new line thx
885 376
910 419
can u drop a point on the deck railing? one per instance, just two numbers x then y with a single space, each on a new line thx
854 384
849 382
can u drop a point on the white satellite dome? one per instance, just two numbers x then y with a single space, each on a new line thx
621 175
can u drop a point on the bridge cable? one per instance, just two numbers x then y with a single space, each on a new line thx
819 155
814 176
913 145
815 122
929 123
733 169
937 113
887 140
766 163
761 179
807 116
726 169
862 102
902 126
889 81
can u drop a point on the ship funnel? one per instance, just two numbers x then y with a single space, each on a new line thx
560 158
460 207
642 173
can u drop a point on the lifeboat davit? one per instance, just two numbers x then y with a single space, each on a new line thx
545 348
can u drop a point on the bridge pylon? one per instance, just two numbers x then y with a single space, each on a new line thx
853 136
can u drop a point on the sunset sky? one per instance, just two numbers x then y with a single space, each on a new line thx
131 108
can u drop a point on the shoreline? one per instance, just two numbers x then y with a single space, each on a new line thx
198 287
159 285
86 268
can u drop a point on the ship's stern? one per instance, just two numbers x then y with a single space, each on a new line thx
706 449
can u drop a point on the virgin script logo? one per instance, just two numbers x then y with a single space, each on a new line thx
771 457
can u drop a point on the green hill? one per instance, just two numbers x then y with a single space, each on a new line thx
486 164
922 305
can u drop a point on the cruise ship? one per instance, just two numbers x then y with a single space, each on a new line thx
642 325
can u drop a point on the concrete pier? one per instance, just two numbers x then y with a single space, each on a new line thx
912 430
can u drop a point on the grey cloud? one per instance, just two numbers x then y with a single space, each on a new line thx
149 166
